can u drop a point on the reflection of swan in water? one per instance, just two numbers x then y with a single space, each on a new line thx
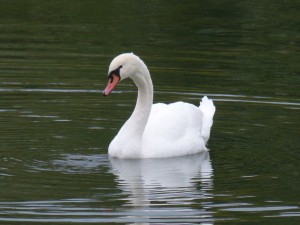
166 182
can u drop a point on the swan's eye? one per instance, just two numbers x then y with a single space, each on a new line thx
111 79
116 72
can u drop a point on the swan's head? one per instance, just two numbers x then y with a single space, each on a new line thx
121 67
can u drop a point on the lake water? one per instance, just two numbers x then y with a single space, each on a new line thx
55 126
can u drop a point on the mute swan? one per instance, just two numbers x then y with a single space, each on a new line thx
158 130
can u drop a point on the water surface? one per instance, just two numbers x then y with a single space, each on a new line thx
56 126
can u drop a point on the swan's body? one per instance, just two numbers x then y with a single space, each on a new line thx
157 130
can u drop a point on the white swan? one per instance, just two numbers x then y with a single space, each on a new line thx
158 130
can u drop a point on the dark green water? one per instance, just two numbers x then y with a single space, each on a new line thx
55 126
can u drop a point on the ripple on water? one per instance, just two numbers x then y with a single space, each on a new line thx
167 190
215 97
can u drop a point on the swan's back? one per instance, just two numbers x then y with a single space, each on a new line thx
177 129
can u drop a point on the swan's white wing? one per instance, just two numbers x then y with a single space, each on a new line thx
173 130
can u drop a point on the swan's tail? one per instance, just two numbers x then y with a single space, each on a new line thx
208 109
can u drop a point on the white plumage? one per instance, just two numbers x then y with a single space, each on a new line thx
157 130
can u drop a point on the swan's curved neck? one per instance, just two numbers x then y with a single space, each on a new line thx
135 125
144 101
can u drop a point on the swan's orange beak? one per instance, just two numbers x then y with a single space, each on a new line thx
112 82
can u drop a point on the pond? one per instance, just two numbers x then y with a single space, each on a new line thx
56 125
